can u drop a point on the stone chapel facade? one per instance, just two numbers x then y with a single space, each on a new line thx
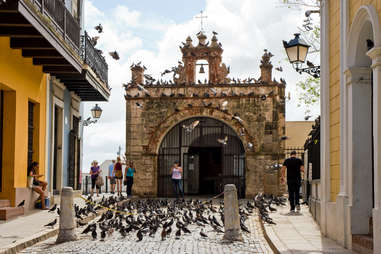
224 131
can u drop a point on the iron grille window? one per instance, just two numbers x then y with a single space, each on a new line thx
30 131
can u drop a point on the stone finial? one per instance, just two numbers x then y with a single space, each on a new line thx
137 74
214 42
201 38
189 42
266 67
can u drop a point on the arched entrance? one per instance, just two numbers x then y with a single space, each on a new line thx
208 164
361 98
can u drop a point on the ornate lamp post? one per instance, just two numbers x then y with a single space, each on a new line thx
297 50
96 113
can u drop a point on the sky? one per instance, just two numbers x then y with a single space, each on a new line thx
151 31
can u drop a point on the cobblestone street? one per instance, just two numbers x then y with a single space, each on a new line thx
254 242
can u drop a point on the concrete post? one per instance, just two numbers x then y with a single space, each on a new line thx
67 222
231 214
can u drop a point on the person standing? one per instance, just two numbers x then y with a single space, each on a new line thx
176 172
129 173
294 167
118 175
111 176
94 172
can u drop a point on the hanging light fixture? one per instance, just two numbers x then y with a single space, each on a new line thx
96 111
202 69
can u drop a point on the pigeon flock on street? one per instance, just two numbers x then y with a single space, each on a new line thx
168 217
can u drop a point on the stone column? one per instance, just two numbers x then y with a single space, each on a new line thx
67 222
231 214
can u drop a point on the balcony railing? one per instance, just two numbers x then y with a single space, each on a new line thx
63 21
94 59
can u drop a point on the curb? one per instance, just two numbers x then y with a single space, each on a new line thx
271 244
32 240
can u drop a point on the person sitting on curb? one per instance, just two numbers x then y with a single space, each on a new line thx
294 168
38 185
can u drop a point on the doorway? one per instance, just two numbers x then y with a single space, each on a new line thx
210 169
57 149
207 163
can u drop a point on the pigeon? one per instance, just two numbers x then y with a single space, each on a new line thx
236 117
191 127
178 233
141 88
214 32
99 28
310 64
94 234
224 104
280 69
114 55
223 141
139 105
51 224
263 97
58 211
53 208
242 132
139 235
284 138
250 145
163 234
94 40
214 91
22 203
203 235
307 118
103 235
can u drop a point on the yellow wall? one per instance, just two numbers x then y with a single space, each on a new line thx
334 61
334 96
21 82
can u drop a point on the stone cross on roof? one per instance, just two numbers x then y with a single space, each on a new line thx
201 17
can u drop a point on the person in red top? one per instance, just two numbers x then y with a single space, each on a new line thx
118 173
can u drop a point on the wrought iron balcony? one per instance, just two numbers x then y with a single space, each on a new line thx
62 20
92 57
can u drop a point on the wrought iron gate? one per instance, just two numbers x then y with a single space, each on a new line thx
180 145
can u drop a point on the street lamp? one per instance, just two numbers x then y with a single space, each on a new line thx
297 50
96 113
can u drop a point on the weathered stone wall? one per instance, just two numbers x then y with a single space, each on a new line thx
148 119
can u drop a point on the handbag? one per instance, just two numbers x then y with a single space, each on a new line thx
99 182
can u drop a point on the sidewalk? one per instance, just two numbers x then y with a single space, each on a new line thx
26 230
298 234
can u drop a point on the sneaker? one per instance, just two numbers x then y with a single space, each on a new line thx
298 208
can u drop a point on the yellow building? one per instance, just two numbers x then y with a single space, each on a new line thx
23 107
47 68
297 133
351 123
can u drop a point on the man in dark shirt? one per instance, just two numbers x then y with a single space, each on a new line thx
294 166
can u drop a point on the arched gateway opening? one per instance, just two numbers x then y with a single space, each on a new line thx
207 163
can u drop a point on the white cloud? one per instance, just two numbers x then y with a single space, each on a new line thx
245 29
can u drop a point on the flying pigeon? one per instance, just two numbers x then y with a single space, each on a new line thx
223 141
191 127
94 40
99 28
114 55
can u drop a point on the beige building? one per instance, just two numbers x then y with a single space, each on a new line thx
297 133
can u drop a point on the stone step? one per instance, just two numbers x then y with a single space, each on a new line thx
5 203
7 213
362 243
